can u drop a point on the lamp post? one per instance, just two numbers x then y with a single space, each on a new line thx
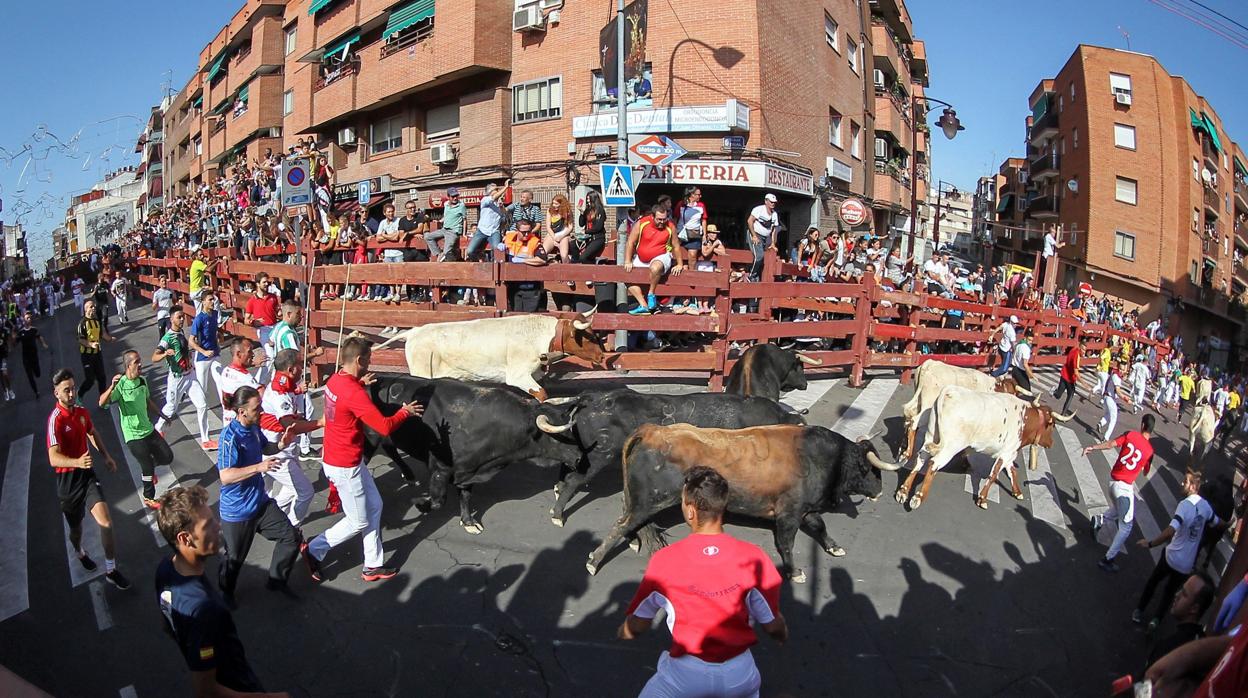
949 125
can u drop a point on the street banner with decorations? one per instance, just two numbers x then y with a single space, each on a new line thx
635 26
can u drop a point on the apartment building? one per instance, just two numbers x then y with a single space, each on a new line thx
945 218
104 213
984 214
151 171
1139 172
1009 215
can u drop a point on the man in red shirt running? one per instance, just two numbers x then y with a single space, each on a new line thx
261 313
1070 374
652 242
711 585
347 408
1135 458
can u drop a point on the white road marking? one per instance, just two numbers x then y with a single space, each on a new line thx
1090 492
163 473
804 399
981 468
1042 491
103 617
860 417
14 506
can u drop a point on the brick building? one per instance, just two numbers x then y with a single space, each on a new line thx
419 95
1142 169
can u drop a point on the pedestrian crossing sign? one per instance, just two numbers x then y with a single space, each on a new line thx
617 184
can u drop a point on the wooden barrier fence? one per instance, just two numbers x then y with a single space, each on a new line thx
860 326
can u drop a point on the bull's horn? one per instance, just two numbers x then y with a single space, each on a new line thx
875 461
809 360
1035 401
543 423
1063 417
560 400
586 319
1023 391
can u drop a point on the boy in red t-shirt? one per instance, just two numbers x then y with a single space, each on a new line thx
711 586
1135 458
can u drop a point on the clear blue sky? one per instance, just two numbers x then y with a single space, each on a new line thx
77 66
986 56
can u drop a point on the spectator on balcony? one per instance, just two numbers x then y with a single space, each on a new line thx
764 226
489 222
652 243
454 213
525 209
558 231
591 236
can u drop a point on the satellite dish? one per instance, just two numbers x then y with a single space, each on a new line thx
1205 175
1073 185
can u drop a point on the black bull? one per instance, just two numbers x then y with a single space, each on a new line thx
788 474
468 432
600 423
766 370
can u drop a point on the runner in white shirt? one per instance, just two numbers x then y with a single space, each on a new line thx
76 286
1140 376
1005 347
235 376
118 289
281 423
1182 539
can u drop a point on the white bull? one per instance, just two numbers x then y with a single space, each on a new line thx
994 424
930 378
507 349
1200 434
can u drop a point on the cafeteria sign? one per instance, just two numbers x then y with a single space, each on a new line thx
731 173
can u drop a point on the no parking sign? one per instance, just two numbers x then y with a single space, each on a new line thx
296 184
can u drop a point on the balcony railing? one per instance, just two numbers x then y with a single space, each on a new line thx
351 67
1046 127
1043 207
1241 194
893 169
410 37
1213 202
1044 166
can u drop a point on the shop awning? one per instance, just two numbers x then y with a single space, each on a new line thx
318 5
218 66
407 15
1239 165
1005 203
199 102
352 205
340 46
242 94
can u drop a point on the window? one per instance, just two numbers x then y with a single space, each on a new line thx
1125 190
1124 245
199 147
851 47
1195 272
829 32
855 140
292 36
1124 136
1119 82
1074 138
1196 169
639 93
1072 93
537 101
442 122
834 129
387 135
288 102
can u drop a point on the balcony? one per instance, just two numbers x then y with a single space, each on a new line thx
1043 207
1213 202
1044 167
347 70
215 148
892 115
892 184
891 55
895 15
1212 160
1241 195
1045 127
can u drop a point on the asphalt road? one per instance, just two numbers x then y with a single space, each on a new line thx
945 600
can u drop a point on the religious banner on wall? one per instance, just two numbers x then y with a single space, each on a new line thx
635 26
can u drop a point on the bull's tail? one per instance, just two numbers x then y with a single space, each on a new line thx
933 429
402 335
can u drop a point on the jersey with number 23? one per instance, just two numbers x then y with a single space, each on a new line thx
1135 456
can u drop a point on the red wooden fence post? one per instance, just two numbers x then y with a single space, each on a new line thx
864 304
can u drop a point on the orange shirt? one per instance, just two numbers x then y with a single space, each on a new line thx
519 248
655 239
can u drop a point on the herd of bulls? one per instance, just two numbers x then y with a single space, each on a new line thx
780 469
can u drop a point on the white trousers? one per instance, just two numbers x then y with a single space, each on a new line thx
121 308
78 301
690 677
361 508
1110 419
1119 518
294 490
1137 397
178 387
1100 382
204 370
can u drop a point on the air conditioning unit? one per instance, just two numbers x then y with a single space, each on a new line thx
1122 97
550 4
881 148
346 137
442 153
879 78
528 19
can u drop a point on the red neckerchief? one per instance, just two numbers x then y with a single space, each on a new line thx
283 383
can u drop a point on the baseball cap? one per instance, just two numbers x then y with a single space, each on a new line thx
452 191
771 197
1014 318
712 228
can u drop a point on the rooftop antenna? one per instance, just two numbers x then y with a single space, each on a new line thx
1125 35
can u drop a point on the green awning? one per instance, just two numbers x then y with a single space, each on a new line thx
223 106
217 67
318 5
1041 108
1212 131
341 46
1239 165
1005 203
242 94
1197 122
199 102
407 15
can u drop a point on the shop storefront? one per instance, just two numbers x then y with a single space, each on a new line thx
347 198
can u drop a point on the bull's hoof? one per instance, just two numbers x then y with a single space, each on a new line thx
916 501
634 544
557 488
592 567
981 503
424 506
835 551
797 577
473 527
901 495
556 520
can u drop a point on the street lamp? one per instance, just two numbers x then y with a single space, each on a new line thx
949 124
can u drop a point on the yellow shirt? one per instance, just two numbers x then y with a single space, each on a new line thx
1107 355
198 267
1186 386
1233 402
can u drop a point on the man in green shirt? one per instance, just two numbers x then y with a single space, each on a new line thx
134 404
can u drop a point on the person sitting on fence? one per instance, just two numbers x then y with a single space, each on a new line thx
489 222
523 246
591 236
811 251
935 272
558 232
703 258
652 243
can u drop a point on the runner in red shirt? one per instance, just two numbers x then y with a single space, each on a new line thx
652 242
1222 660
261 312
347 408
1135 458
711 586
69 431
1070 374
